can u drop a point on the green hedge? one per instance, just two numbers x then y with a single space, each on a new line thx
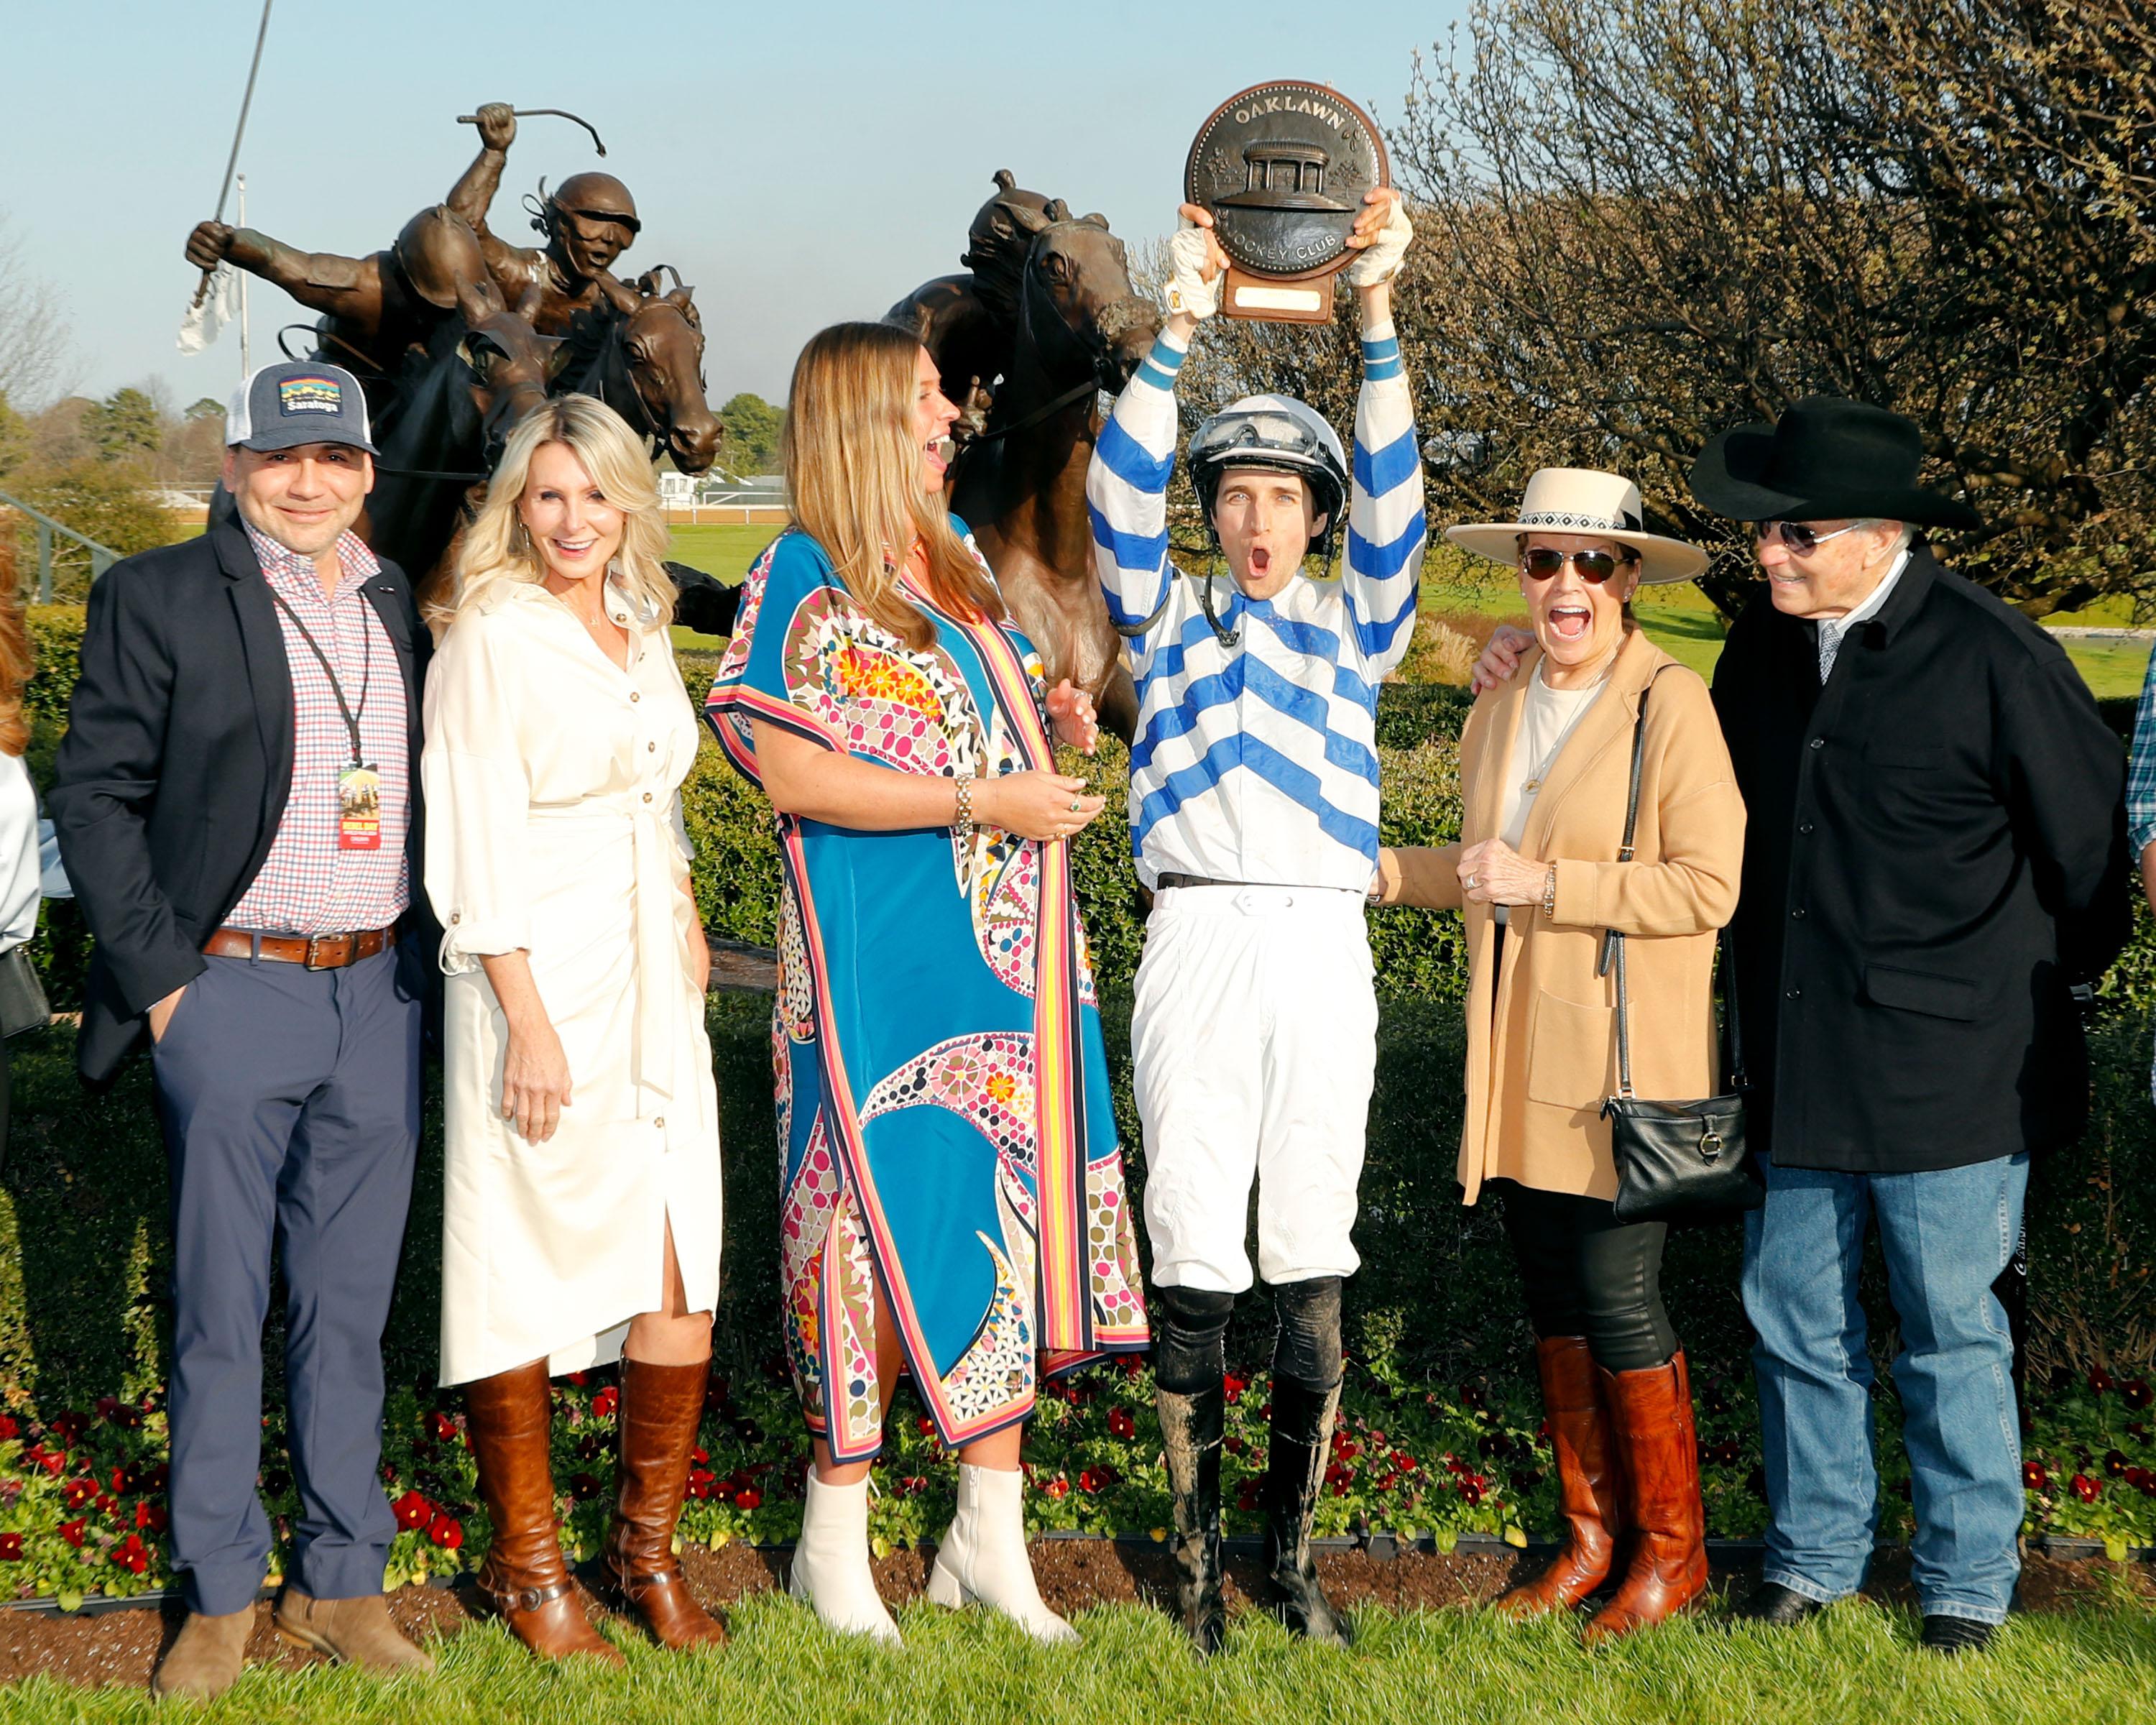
1436 1331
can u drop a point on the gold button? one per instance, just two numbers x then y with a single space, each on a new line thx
634 695
456 915
651 748
647 796
660 1122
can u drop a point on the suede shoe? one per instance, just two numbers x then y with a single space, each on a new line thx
357 1632
206 1658
1771 1603
1950 1636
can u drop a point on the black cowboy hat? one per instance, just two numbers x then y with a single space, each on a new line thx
1825 459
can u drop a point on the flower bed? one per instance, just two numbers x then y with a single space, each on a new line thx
83 1508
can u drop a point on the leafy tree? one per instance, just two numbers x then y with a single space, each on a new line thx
1646 220
751 425
127 423
14 437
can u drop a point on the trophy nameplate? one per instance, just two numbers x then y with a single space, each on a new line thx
1283 167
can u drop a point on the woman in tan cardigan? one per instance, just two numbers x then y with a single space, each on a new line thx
1545 765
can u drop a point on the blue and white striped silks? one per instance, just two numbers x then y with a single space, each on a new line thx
1258 762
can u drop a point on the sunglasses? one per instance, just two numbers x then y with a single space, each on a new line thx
1594 567
1800 540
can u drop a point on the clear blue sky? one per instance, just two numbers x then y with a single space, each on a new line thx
799 161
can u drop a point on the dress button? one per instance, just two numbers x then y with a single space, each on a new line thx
651 748
1806 828
634 696
1798 913
660 1122
456 915
647 796
1819 742
1796 993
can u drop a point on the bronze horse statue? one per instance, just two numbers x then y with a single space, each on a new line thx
649 368
1079 328
455 407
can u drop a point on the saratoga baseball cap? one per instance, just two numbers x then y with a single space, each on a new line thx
295 402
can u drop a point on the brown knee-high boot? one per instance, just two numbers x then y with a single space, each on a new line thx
661 1409
1658 1456
1586 1476
509 1418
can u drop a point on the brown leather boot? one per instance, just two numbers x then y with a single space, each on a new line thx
1586 1481
509 1418
661 1407
1658 1454
208 1657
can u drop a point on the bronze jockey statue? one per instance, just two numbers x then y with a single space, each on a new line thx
376 309
589 220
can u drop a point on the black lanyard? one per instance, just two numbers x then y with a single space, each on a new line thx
366 672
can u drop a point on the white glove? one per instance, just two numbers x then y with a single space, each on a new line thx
1188 292
1379 261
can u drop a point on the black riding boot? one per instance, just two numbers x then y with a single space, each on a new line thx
1190 1433
1295 1470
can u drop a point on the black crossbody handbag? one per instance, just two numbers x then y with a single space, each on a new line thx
1676 1161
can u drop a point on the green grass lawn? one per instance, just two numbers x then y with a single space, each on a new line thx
2093 1667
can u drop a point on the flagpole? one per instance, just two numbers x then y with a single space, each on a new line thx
232 162
246 361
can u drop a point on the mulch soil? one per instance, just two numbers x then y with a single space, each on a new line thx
123 1646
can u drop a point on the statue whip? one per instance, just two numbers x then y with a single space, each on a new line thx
231 161
558 113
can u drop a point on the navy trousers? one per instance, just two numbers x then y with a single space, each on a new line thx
291 1103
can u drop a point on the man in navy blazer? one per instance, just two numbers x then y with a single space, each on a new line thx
236 801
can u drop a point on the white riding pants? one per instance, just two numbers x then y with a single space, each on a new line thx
1255 1041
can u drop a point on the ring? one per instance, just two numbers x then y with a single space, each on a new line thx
1473 880
1074 805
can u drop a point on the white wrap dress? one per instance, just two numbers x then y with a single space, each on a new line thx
552 781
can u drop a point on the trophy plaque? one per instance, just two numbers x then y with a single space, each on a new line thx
1283 167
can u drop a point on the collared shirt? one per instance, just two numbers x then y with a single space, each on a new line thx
1834 631
307 885
1256 759
2140 773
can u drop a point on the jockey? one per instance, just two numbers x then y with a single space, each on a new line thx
1253 818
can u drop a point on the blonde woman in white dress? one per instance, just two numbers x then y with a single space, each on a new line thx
582 1218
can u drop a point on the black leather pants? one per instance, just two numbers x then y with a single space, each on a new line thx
1585 1273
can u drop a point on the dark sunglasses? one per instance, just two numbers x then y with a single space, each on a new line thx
1801 540
1594 567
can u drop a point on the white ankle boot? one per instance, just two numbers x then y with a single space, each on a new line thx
982 1559
831 1562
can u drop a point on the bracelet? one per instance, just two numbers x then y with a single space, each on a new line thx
964 824
1549 892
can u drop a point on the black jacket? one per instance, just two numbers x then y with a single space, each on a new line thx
1935 851
172 776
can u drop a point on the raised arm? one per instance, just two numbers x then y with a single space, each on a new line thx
349 288
473 194
1386 531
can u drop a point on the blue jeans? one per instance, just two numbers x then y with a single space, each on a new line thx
1945 1236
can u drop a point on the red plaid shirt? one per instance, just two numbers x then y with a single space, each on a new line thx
307 885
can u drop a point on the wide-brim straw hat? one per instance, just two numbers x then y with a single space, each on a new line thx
1579 500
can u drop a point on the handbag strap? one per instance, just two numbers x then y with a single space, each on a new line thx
1613 942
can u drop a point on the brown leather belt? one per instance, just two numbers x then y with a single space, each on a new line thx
317 951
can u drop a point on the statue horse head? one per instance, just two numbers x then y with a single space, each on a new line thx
512 365
1078 313
649 368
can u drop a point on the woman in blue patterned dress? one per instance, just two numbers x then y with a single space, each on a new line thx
952 1185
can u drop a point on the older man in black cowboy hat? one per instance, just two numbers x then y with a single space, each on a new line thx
1935 861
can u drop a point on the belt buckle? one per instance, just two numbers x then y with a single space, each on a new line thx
314 950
